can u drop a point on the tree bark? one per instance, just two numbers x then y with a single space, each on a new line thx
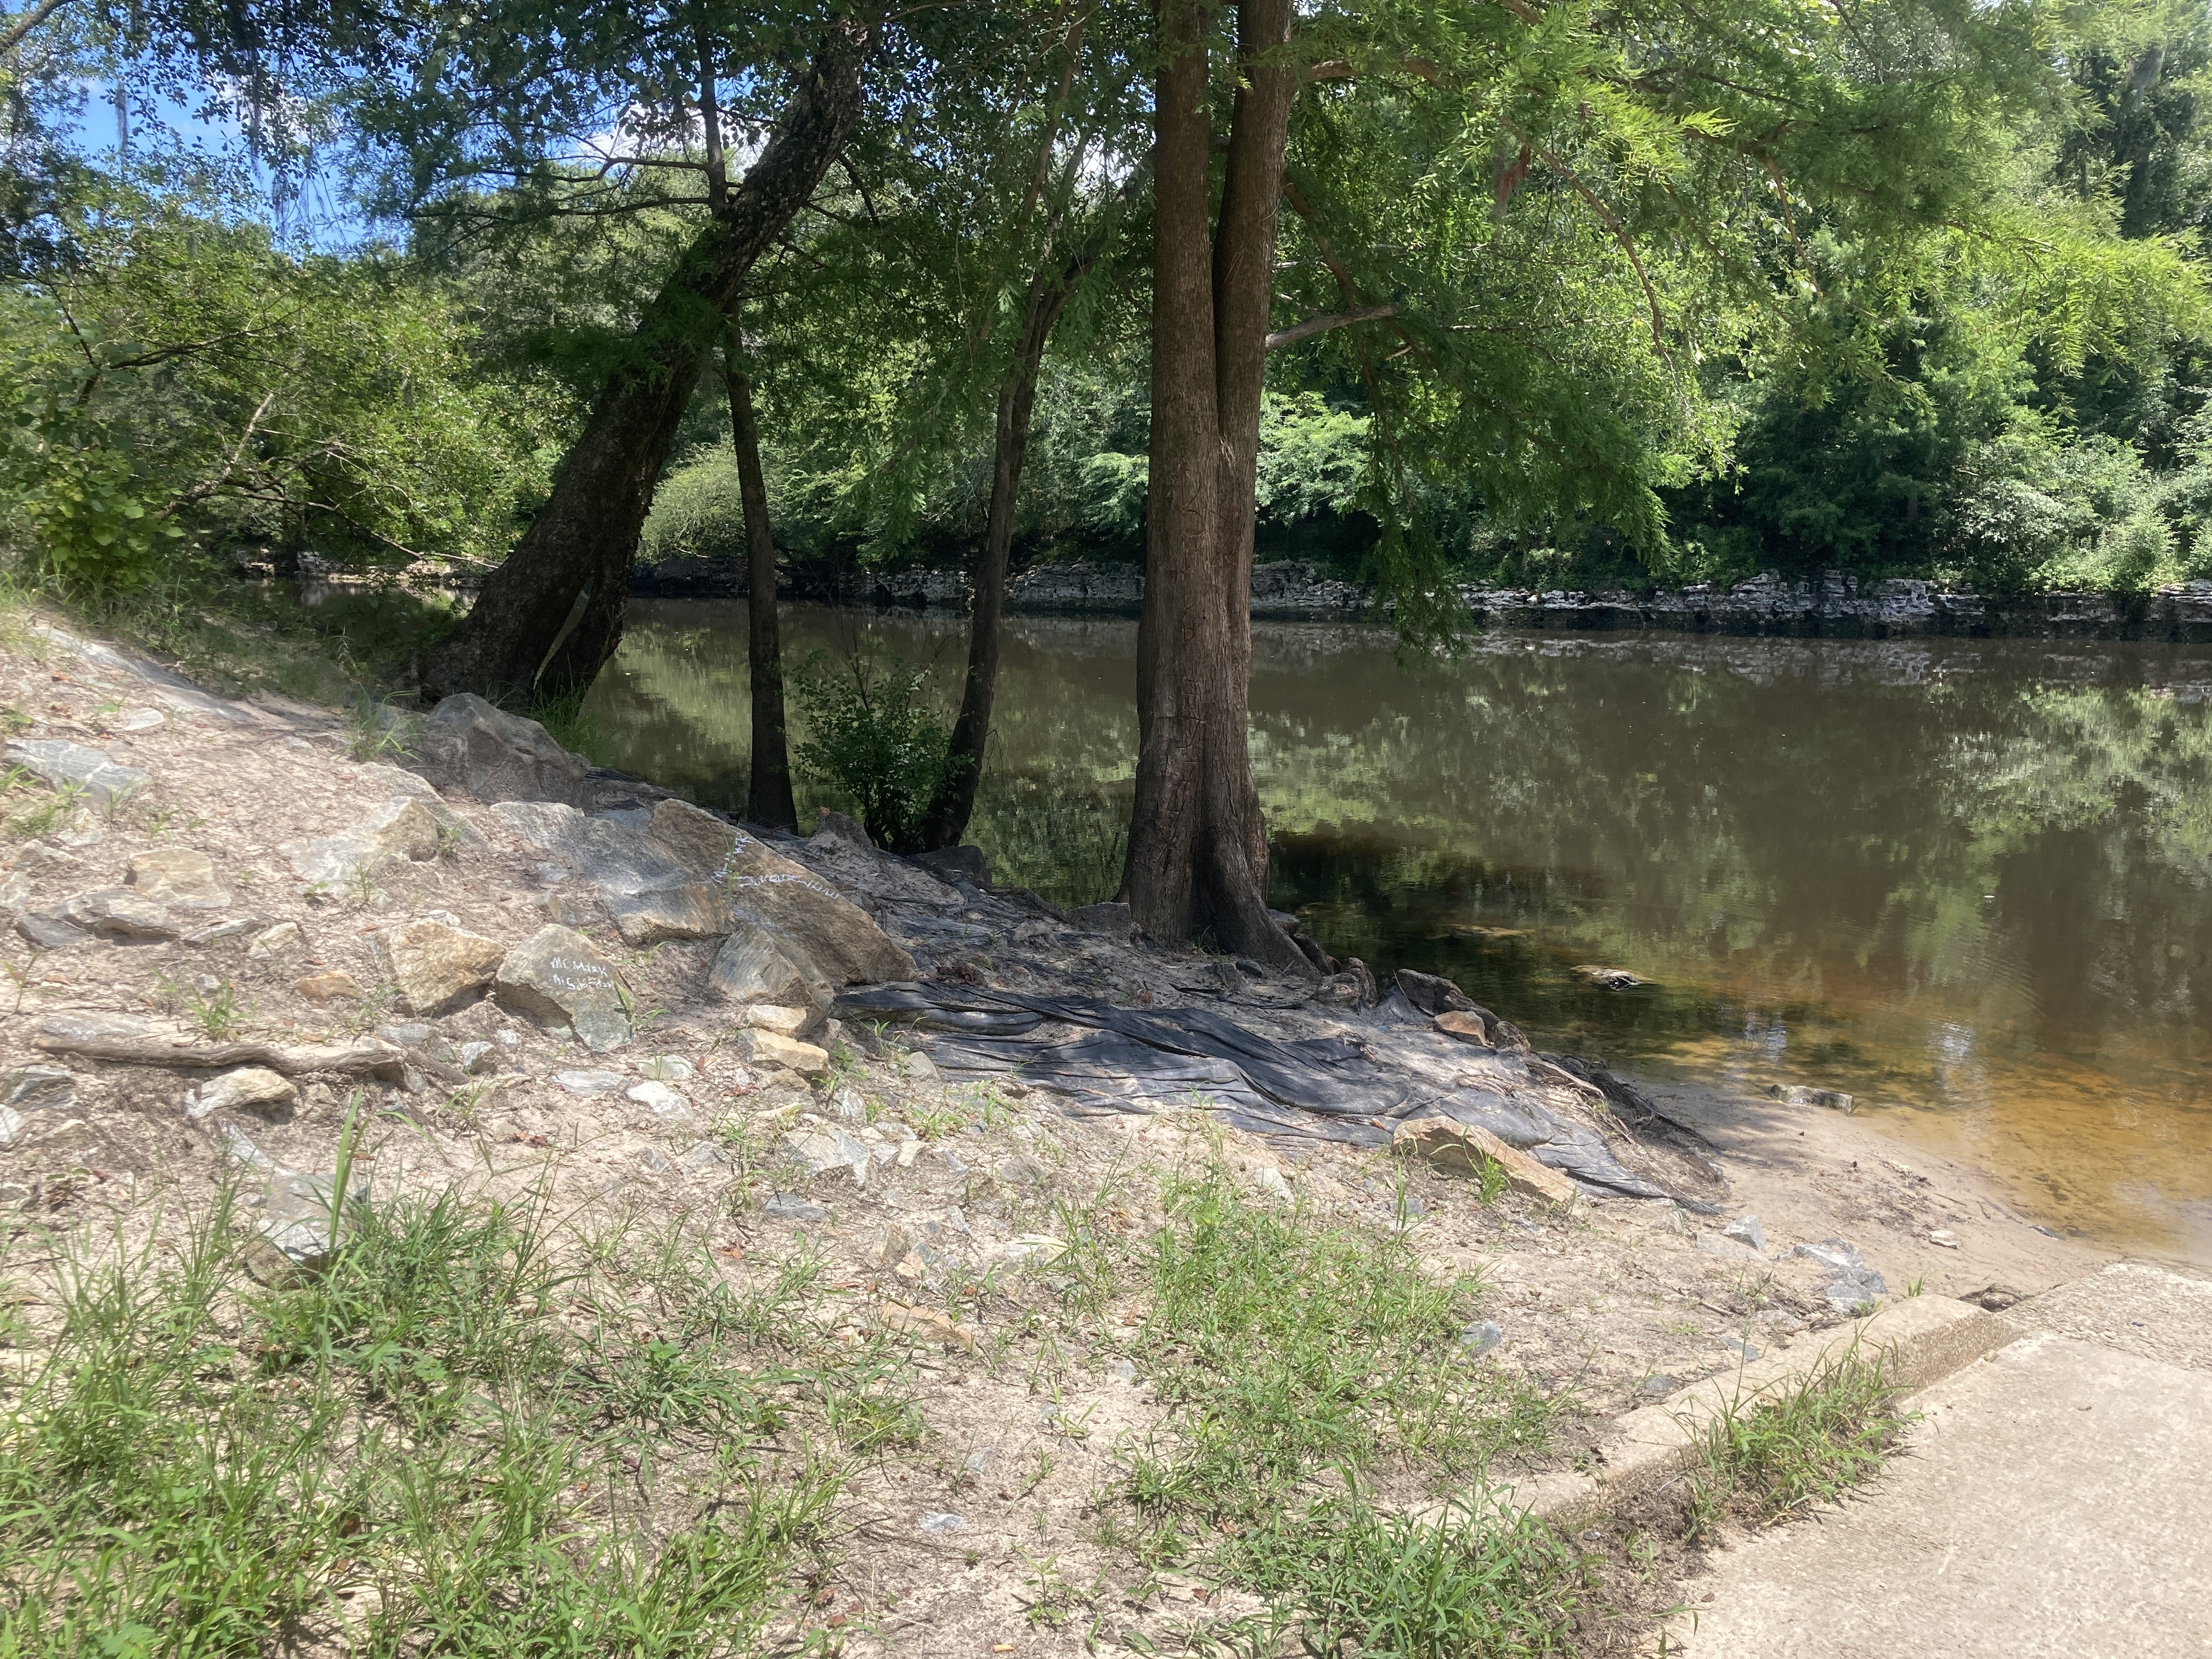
768 794
525 632
954 802
1197 846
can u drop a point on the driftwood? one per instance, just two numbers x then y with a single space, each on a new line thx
115 1041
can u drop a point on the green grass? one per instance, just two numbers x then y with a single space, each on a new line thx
574 727
1301 1360
1772 1456
519 1451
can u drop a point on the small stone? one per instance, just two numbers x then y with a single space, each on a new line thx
250 1087
1042 1248
847 1103
284 936
979 1460
43 855
656 1161
1659 1385
669 1068
1780 1319
1467 1028
928 1324
789 1206
588 1083
1746 1230
1449 1146
821 1151
907 1152
1123 1370
404 829
13 1126
296 1236
105 782
50 932
1849 1291
15 892
1835 1100
176 875
556 976
767 1048
1742 1350
783 1022
336 986
406 1034
663 1102
708 1158
38 1088
1476 1340
477 1057
573 910
940 1521
119 913
1943 1238
139 720
434 968
1834 1254
222 930
922 1070
1728 1249
890 1248
1270 1182
240 1147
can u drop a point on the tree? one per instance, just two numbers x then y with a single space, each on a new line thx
768 790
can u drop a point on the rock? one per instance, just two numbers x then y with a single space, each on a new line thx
176 875
284 936
1269 1182
1433 993
694 910
222 930
105 783
821 1151
400 830
119 913
38 1088
663 1102
755 967
1468 1027
708 1159
1476 1340
848 1105
1993 1298
13 1127
1728 1249
336 986
1943 1238
788 1206
477 1058
1742 1350
767 1048
140 719
921 1070
887 1249
1122 1370
398 782
1746 1230
555 977
669 1068
468 745
84 1027
1833 1099
434 968
296 1237
966 862
15 892
585 1085
928 1323
49 931
1042 1248
414 1033
783 1022
1853 1289
1449 1145
838 826
1111 919
1834 1253
43 855
249 1088
941 1521
1659 1385
1780 1319
814 925
1609 979
239 1147
573 910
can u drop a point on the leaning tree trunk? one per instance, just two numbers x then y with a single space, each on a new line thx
767 795
954 801
1197 846
549 617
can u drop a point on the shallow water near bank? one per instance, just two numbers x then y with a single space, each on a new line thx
1969 882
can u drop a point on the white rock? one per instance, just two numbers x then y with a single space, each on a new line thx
284 936
250 1086
588 1083
663 1101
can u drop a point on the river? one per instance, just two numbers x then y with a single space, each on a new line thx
1969 882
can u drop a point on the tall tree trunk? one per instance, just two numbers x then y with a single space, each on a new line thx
954 802
583 541
1198 845
767 795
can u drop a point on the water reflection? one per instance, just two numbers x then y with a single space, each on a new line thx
1965 881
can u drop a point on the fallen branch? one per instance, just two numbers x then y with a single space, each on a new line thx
110 1040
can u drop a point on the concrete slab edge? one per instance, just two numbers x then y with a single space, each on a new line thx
1919 1341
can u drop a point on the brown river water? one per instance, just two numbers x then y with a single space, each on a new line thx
1969 882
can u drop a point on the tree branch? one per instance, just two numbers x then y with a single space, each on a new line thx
30 19
1323 324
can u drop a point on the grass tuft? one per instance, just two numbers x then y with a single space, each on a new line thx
1771 1456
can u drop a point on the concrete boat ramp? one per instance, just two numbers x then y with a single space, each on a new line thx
2054 1498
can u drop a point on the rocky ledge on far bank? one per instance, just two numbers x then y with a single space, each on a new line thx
227 931
1833 604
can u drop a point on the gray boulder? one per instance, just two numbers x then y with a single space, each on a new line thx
695 909
555 977
401 829
968 863
119 913
105 782
299 1234
38 1088
176 875
434 968
755 967
468 745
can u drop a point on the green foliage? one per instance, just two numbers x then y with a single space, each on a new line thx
1774 1455
873 736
